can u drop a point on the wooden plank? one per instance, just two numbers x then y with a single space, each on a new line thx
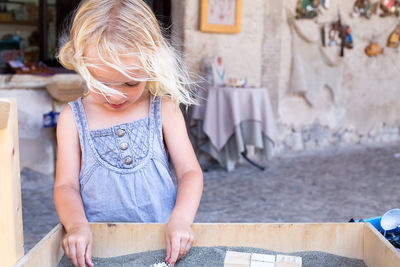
341 239
4 113
111 240
12 240
377 250
47 253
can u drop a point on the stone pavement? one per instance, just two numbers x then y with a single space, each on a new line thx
326 186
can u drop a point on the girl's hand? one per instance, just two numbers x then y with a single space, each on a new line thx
77 245
179 238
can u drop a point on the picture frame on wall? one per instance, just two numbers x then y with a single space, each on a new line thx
221 16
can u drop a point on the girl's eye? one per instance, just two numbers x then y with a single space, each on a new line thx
132 84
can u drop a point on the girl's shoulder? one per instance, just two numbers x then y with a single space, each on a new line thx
166 102
66 125
170 112
168 107
66 115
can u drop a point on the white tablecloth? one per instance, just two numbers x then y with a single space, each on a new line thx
232 118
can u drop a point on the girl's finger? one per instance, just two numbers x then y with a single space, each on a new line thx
80 253
72 254
189 244
88 255
168 248
65 247
175 248
182 248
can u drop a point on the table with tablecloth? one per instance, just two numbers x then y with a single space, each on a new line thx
228 119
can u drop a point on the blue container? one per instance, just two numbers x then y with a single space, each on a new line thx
50 119
375 221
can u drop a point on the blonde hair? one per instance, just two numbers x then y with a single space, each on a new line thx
125 28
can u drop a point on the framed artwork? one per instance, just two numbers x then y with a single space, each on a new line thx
224 16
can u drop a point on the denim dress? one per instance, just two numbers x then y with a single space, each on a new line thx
124 174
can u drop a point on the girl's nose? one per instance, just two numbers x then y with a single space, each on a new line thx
116 99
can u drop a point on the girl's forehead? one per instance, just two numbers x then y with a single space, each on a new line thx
91 55
101 71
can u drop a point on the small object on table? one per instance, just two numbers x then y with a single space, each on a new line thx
237 82
219 72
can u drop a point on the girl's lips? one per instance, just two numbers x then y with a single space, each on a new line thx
116 106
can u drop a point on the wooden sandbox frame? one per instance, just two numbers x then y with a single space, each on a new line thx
354 240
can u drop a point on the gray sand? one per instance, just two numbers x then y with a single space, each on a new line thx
214 257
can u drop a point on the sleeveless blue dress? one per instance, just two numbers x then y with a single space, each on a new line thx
124 174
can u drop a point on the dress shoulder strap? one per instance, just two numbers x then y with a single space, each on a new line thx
80 122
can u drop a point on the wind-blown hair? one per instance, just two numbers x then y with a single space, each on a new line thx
120 29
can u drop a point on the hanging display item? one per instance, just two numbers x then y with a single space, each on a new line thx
394 38
325 3
364 8
390 7
309 9
312 70
337 34
373 49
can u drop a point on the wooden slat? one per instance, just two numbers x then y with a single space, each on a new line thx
47 253
340 239
4 113
377 250
11 241
121 239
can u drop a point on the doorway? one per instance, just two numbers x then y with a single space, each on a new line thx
63 12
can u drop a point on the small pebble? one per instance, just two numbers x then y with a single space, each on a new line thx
161 264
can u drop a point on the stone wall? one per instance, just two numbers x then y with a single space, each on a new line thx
366 110
242 52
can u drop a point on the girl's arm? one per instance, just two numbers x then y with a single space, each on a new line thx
190 181
78 240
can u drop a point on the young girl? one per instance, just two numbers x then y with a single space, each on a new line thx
112 163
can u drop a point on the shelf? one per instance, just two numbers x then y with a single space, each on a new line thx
12 2
16 22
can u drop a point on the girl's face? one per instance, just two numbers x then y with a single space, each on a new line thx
133 90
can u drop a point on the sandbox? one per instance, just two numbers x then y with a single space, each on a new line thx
352 240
